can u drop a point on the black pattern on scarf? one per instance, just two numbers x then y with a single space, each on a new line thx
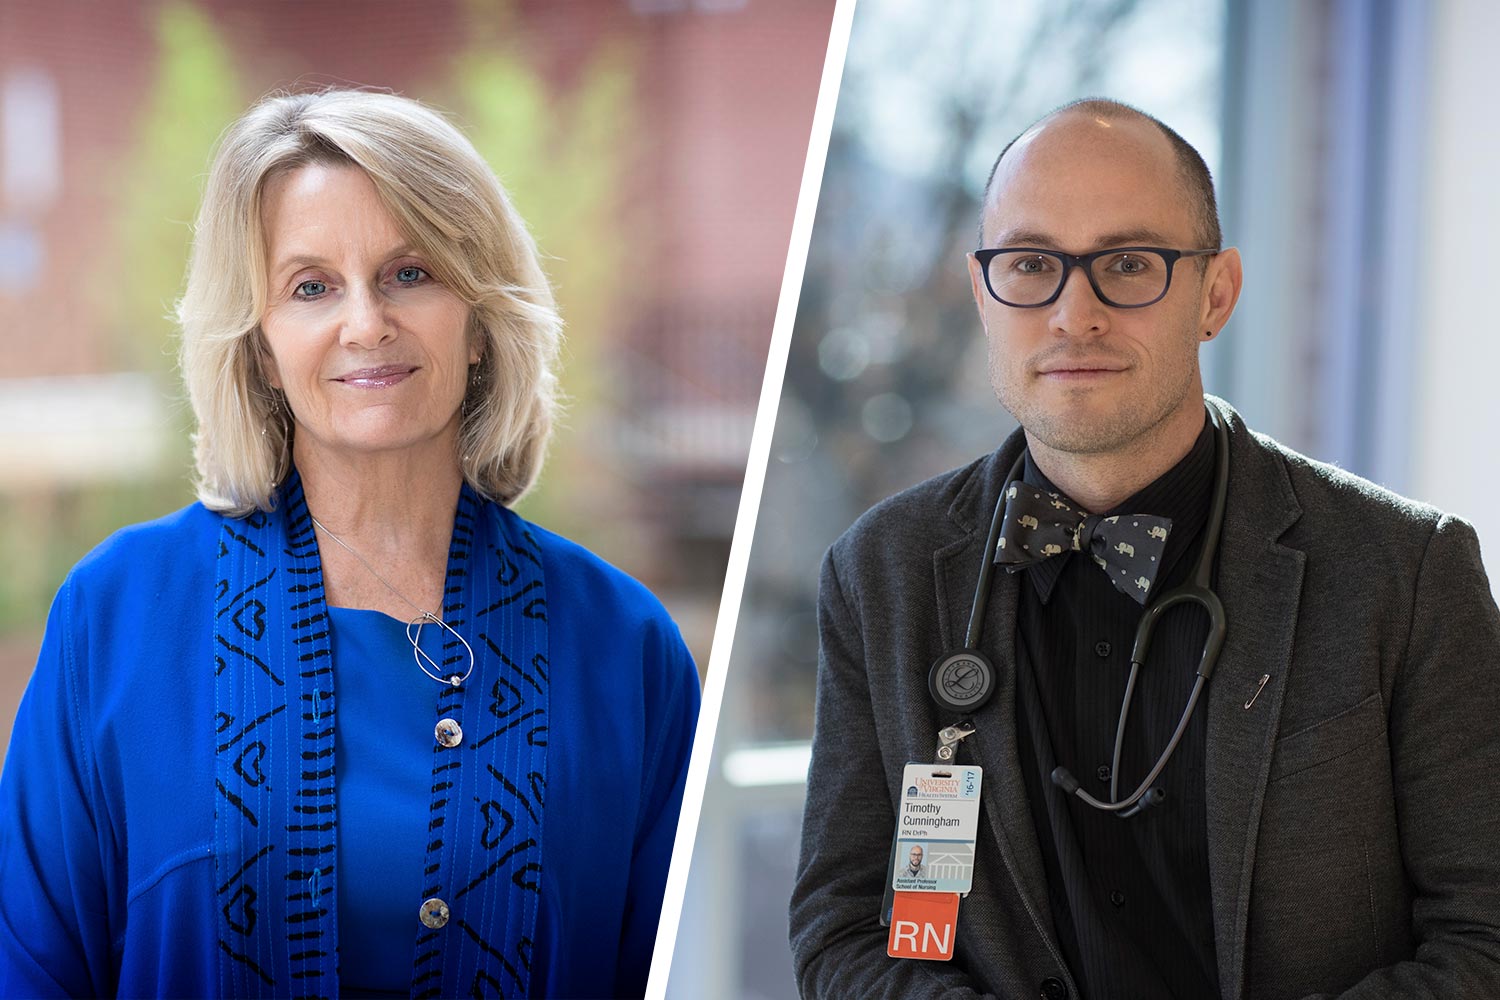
482 774
276 820
276 769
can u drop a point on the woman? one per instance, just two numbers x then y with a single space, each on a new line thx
349 724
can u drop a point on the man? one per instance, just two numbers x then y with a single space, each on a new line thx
914 866
1328 823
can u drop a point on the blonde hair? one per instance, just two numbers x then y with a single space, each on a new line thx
449 204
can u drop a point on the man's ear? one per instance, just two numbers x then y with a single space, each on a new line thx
976 283
1221 290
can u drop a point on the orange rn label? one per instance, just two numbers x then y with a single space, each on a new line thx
923 925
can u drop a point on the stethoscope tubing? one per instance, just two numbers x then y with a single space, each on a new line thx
975 630
1197 590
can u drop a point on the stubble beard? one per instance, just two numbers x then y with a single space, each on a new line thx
1088 428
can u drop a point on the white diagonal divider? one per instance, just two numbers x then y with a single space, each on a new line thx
755 475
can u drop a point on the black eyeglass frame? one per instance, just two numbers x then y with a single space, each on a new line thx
1085 261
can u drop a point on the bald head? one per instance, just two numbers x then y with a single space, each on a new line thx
1093 126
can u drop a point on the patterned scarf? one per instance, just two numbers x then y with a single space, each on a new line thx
276 715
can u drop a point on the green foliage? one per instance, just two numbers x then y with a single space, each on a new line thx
562 157
193 96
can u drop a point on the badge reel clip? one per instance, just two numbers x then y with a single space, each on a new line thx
949 738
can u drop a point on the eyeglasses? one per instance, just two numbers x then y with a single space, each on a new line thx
1123 277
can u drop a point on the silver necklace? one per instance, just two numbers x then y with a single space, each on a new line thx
423 619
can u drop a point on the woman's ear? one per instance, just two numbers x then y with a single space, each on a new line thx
263 360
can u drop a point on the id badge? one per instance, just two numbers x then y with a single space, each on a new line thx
937 826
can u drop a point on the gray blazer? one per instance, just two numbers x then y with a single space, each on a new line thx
1353 809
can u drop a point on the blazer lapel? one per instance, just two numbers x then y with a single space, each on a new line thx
1260 583
993 745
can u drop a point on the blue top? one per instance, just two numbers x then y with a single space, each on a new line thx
383 761
113 879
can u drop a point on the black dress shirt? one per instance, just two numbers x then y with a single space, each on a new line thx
1130 897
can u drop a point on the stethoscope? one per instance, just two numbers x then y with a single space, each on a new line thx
962 681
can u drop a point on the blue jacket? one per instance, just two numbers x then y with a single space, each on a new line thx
142 850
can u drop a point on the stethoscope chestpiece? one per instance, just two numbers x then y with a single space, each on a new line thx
961 681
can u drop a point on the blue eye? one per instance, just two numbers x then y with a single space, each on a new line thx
310 289
410 275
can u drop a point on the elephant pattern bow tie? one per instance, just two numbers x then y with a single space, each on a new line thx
1037 525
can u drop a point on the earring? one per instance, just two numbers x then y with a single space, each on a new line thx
284 461
476 378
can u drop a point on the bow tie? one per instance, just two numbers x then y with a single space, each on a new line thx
1037 525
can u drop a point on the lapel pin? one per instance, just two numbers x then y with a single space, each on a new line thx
1258 689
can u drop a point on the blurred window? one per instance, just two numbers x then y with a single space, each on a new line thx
30 144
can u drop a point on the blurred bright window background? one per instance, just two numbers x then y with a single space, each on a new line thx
1351 151
638 140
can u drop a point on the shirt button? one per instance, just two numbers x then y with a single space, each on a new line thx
434 913
1102 648
448 733
1103 772
1052 988
1117 898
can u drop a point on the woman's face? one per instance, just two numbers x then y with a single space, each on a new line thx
370 349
